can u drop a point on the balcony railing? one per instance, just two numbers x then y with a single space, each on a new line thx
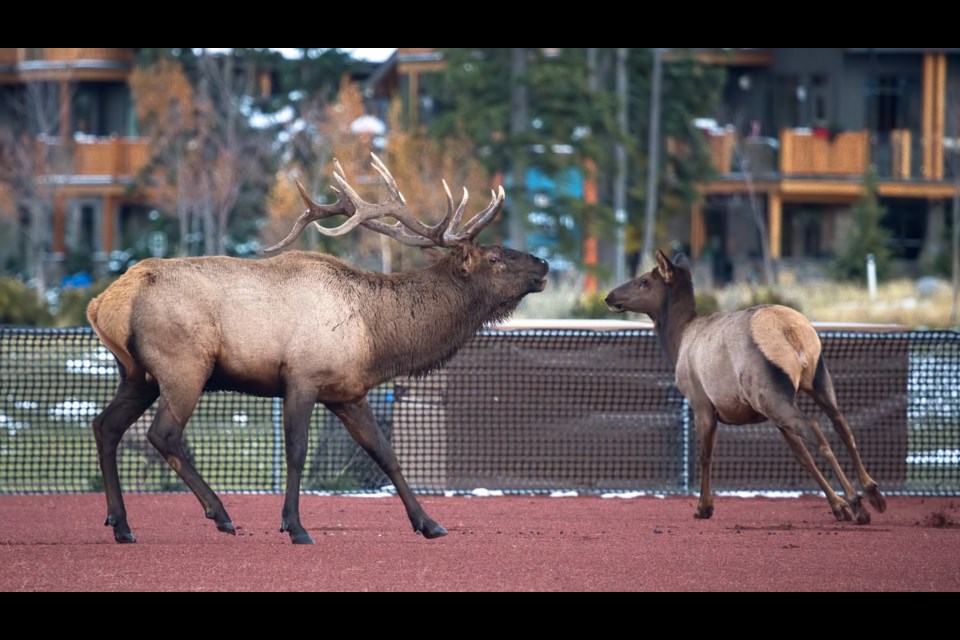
802 152
117 157
798 152
112 158
67 55
20 55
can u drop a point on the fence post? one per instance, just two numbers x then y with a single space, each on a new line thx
685 446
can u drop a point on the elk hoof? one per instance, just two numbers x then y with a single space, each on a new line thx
860 511
430 530
121 532
301 538
876 498
703 513
842 513
226 527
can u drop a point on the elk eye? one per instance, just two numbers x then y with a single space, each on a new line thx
644 282
494 259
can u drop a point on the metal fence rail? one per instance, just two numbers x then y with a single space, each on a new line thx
523 410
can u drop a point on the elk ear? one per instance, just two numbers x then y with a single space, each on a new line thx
665 267
469 255
433 255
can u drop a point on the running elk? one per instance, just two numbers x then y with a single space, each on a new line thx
743 368
302 326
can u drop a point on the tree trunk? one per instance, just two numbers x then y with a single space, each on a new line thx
620 152
36 249
653 158
519 119
955 244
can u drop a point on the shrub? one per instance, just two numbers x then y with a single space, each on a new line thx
19 305
867 235
592 307
766 295
72 308
707 303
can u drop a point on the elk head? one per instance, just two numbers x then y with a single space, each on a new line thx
648 293
498 277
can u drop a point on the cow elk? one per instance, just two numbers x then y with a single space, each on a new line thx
742 368
302 326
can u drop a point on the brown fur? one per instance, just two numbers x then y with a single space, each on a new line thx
787 340
745 367
309 328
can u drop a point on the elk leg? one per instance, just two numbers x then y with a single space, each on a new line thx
825 396
362 425
790 420
706 421
127 405
824 449
297 409
166 434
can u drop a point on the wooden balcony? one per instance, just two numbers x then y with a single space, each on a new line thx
22 64
102 160
802 153
107 55
22 55
117 157
721 150
7 205
901 142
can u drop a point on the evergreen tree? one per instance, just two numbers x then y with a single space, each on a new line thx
572 108
866 235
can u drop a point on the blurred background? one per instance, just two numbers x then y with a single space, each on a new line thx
825 179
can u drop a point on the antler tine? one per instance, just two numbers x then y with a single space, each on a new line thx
313 213
387 177
362 211
450 235
399 233
485 217
407 230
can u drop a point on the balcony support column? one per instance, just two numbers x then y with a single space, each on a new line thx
775 210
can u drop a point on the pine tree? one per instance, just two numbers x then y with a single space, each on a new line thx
867 235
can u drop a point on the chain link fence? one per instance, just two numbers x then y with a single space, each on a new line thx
528 410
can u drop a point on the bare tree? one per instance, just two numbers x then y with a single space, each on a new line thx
203 148
769 274
164 100
33 152
232 152
323 131
954 163
519 120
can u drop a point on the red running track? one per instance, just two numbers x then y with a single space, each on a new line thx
58 543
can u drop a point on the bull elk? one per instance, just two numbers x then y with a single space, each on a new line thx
302 326
742 368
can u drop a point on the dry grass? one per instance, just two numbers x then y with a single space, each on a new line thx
898 302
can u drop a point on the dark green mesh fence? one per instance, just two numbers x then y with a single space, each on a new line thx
531 410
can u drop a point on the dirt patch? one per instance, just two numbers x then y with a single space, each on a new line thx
938 520
512 543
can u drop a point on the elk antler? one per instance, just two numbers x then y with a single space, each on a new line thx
407 230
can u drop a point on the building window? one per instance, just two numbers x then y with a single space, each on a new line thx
886 103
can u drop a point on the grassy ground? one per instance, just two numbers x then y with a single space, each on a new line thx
899 302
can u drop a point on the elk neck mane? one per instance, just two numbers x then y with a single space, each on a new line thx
677 311
419 319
